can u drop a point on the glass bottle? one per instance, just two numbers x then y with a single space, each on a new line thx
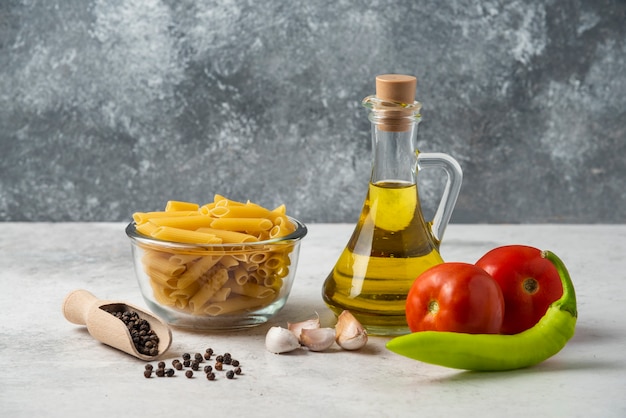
391 243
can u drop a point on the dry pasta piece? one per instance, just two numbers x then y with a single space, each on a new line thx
196 270
143 217
183 258
229 237
246 211
249 289
242 224
234 304
229 261
168 233
176 205
184 222
240 275
214 283
221 295
157 262
146 228
162 279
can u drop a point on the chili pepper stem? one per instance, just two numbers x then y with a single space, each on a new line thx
567 302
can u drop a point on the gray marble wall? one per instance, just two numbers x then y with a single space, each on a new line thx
113 106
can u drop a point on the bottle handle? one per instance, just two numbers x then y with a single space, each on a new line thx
451 191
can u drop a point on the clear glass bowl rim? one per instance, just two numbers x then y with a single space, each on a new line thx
299 233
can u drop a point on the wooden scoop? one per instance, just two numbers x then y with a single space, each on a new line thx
83 308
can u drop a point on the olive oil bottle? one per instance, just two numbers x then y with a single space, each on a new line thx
391 243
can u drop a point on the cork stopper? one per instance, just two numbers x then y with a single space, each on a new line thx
395 96
396 88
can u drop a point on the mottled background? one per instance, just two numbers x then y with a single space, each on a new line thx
112 106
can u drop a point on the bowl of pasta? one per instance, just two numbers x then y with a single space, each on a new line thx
219 266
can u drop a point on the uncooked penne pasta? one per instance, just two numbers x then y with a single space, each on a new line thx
249 289
183 258
177 206
146 228
157 262
245 211
221 295
196 270
184 222
168 233
206 292
242 224
229 237
142 217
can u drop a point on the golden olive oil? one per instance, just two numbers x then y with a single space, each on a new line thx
391 245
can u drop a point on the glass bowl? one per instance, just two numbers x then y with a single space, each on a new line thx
217 286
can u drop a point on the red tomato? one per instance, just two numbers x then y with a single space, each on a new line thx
456 297
529 283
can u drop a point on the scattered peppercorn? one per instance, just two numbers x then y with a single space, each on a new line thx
198 357
234 363
161 365
189 374
187 363
219 359
209 351
230 374
147 373
149 367
178 366
186 356
210 376
160 372
207 356
238 370
195 366
208 369
169 372
218 366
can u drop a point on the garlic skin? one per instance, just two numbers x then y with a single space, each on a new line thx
280 340
317 339
297 327
350 334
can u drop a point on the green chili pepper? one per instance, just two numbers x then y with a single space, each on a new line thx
492 352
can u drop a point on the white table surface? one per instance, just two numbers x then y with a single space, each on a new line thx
51 367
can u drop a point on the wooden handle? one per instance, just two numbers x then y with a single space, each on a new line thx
76 306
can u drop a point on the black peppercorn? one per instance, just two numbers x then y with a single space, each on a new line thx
198 357
169 372
238 370
147 373
189 373
207 356
209 351
234 363
186 363
218 366
210 376
208 369
149 367
161 364
160 372
186 356
178 366
230 374
195 366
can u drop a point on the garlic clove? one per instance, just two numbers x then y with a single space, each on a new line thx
350 334
280 340
297 327
317 339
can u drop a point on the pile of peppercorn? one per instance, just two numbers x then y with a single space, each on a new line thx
194 365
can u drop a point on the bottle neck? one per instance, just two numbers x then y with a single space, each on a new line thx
394 141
